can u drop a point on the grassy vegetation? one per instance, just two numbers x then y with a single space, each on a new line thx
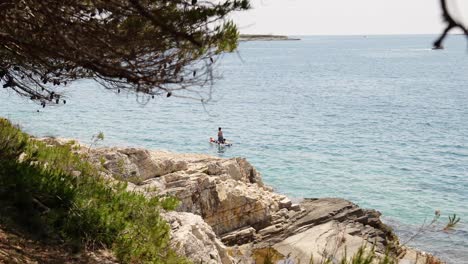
41 192
452 222
362 256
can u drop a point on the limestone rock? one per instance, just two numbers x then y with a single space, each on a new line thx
329 226
285 203
193 238
240 237
132 163
226 198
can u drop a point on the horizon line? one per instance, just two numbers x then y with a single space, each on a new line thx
355 34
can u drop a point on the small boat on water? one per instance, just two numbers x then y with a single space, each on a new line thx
224 144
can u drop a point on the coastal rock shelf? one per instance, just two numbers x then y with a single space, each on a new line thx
227 213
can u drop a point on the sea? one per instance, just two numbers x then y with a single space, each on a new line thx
379 120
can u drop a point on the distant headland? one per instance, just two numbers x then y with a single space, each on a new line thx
248 37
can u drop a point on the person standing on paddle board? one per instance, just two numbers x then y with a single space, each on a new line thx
220 136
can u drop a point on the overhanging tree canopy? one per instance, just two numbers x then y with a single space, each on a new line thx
454 17
146 46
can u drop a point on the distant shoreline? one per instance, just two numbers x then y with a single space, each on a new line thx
248 37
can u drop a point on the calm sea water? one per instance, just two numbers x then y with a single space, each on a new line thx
381 121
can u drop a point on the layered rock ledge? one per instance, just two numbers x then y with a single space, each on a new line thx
227 213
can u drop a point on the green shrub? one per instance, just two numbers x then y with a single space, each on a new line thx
362 256
39 192
453 221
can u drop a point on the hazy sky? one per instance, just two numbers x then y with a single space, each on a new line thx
341 17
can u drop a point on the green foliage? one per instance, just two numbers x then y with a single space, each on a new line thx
453 221
150 47
362 256
100 136
121 166
95 139
39 192
229 35
102 161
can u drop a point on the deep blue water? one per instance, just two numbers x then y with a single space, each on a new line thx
381 121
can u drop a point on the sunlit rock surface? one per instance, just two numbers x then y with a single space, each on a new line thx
227 213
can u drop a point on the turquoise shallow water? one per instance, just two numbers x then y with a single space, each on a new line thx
381 121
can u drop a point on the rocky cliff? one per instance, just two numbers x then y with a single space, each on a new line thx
227 214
